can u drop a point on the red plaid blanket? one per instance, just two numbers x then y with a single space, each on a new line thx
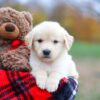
15 85
20 86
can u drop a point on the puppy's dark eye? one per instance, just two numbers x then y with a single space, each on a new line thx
40 40
55 41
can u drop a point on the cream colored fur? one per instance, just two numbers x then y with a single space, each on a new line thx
49 71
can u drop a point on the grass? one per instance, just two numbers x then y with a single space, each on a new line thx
89 81
87 59
82 49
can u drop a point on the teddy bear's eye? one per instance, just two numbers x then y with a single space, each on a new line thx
14 21
40 40
55 41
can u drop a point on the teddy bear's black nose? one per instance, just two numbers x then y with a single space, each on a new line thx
10 28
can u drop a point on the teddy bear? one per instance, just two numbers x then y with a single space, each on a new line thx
14 25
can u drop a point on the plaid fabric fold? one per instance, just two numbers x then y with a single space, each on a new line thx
68 90
15 85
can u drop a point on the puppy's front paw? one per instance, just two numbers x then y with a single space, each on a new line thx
52 84
41 80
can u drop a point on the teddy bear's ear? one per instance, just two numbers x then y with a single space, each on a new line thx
28 16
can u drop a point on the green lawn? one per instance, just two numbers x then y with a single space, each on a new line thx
87 58
82 49
89 80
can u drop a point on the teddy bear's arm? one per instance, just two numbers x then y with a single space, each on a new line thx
16 59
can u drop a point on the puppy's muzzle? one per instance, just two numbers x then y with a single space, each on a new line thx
46 53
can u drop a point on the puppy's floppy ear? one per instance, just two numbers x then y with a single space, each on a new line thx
68 39
29 39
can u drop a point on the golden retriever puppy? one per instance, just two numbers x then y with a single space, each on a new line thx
49 44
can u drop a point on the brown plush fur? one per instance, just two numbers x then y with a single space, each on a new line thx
16 59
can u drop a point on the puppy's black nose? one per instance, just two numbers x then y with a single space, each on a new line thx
46 52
